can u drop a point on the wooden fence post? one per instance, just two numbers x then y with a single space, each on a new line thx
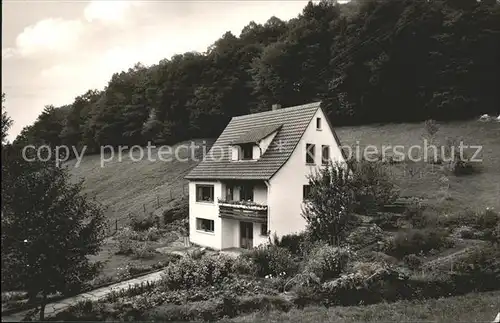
144 207
157 201
116 225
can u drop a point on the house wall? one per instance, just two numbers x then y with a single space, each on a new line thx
255 152
285 193
226 232
260 193
257 238
230 233
207 211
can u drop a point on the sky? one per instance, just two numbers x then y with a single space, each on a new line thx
53 51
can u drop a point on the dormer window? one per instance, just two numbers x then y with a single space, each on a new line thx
246 151
252 144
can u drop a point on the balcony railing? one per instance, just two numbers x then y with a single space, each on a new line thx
244 211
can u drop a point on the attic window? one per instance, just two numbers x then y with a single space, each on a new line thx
246 151
318 123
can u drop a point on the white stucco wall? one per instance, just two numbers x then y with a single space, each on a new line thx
257 238
285 193
260 193
205 210
230 233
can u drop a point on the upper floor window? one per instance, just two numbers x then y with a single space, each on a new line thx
204 193
318 123
325 154
246 193
229 193
310 152
246 151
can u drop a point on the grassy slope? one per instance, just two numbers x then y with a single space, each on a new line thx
126 186
473 191
477 307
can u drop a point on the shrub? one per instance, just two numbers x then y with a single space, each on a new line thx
213 310
188 272
327 262
143 223
152 234
412 261
496 234
465 218
465 232
487 219
178 212
421 217
244 266
367 283
462 167
292 242
415 241
478 270
329 204
126 239
144 251
387 221
375 256
272 260
372 186
170 258
364 235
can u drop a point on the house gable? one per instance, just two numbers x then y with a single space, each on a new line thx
286 186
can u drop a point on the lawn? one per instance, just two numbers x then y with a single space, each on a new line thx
475 191
129 187
476 307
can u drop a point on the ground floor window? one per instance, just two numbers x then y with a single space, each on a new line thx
205 225
263 229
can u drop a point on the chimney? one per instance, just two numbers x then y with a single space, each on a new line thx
276 107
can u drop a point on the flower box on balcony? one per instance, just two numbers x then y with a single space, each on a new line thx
243 205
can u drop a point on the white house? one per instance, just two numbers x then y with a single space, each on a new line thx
253 180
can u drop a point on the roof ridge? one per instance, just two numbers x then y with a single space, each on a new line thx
302 106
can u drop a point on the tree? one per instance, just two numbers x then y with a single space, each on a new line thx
372 185
6 122
48 229
329 203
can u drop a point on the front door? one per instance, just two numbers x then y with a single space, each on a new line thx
246 235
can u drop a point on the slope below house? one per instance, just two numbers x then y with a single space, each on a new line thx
129 187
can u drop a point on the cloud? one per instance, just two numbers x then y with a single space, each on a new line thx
108 11
49 35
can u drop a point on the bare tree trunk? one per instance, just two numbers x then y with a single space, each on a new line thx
42 307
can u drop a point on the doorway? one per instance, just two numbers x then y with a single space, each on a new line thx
246 235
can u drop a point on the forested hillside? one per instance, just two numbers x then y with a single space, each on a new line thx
368 61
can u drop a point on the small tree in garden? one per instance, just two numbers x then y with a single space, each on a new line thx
372 185
329 203
48 229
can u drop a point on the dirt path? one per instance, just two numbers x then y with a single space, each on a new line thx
56 307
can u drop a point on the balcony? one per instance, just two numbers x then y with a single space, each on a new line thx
243 211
